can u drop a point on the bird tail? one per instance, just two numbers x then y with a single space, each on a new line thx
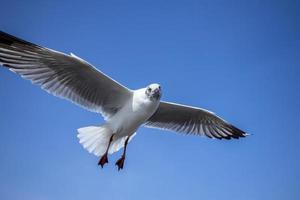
95 139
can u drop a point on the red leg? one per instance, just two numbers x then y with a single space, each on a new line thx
104 158
120 162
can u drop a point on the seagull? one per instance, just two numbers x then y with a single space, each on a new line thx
124 110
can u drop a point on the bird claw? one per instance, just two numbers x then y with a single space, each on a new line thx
103 160
120 163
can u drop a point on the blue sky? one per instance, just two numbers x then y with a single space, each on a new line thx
239 59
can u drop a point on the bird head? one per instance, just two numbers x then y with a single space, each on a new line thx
153 91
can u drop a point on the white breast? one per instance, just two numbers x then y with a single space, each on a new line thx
135 113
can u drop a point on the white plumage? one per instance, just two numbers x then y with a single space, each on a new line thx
125 110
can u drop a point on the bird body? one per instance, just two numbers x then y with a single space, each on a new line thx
72 78
135 112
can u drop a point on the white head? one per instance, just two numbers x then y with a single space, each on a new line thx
153 92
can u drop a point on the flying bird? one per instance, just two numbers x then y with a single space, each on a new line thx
124 110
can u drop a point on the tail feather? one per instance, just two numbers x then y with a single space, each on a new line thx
95 139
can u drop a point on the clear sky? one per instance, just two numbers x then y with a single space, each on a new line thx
239 59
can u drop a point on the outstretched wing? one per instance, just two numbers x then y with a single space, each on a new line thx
191 120
62 75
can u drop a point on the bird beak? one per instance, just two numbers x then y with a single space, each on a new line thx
156 90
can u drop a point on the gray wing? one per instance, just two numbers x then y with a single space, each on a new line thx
62 75
191 120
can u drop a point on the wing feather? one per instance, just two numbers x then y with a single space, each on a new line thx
65 76
192 120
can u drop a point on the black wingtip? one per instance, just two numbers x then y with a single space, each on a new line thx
8 39
237 133
5 38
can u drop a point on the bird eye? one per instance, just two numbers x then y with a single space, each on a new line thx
149 90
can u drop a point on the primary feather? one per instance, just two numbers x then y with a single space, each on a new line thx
192 120
62 75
